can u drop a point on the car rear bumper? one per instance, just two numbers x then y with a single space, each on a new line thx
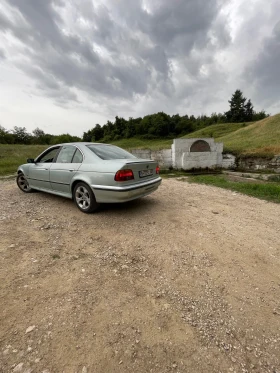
114 194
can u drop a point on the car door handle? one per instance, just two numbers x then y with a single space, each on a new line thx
71 170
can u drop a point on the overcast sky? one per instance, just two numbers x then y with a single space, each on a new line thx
66 65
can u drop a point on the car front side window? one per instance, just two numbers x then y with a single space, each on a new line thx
48 156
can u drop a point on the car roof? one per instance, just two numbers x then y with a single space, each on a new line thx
80 143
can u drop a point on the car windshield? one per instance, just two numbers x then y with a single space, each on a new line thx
107 152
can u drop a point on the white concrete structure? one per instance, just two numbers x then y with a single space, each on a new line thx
196 153
187 154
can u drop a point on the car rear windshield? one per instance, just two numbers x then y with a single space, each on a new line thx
107 152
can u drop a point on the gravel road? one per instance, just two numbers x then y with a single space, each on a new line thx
185 280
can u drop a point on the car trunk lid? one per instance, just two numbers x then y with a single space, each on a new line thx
142 169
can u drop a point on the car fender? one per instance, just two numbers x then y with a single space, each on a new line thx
24 169
90 178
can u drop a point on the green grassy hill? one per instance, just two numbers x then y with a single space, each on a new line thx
262 137
217 130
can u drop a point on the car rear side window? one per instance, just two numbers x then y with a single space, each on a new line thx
107 152
78 157
66 154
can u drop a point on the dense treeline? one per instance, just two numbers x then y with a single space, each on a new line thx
159 125
162 125
19 135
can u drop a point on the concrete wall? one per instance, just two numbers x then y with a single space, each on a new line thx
201 160
163 157
183 158
142 153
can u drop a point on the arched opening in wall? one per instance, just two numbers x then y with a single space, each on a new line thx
200 146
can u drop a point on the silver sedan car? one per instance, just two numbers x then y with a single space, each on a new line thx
90 174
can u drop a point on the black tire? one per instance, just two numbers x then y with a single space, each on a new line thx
22 183
84 198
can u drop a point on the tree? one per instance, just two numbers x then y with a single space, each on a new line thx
38 132
130 129
87 136
237 108
3 133
184 125
21 135
97 133
64 138
108 129
260 115
39 136
242 111
249 111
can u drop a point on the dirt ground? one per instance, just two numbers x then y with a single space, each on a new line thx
185 280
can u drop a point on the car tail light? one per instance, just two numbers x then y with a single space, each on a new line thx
124 175
157 169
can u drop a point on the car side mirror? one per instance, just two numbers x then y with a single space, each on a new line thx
30 160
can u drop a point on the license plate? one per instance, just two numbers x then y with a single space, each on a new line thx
145 173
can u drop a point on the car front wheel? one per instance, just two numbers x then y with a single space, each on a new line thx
84 198
22 183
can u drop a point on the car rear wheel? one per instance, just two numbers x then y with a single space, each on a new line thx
23 184
84 198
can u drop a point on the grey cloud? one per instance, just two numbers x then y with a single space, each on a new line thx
265 71
139 45
49 85
2 54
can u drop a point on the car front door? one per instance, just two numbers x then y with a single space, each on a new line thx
39 172
62 171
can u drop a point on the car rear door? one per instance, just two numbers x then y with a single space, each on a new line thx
62 171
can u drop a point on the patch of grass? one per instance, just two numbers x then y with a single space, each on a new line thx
266 191
258 139
12 156
181 173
